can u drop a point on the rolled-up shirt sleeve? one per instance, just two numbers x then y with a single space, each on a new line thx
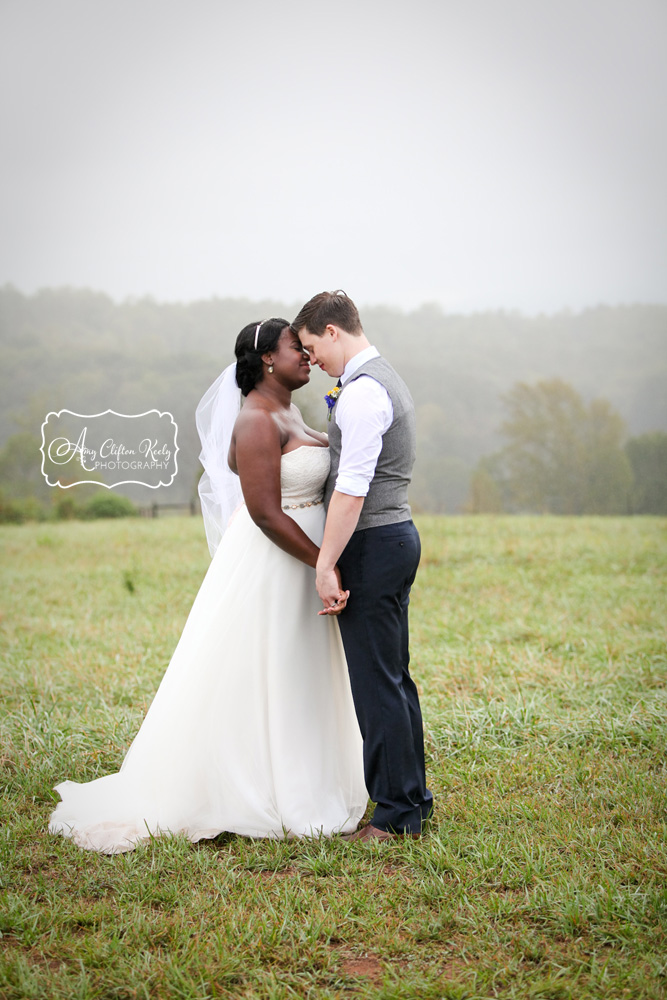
363 413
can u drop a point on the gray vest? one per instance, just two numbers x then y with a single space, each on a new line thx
387 499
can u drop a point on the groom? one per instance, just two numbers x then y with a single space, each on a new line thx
369 534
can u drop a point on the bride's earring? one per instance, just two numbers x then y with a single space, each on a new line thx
270 369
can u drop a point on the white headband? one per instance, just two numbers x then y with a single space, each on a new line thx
257 331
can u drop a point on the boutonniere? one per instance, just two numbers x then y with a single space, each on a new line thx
330 398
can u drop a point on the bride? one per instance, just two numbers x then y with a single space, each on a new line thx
252 729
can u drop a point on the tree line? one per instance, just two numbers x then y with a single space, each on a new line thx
78 349
564 456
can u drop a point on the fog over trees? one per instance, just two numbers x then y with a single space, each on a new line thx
78 349
562 456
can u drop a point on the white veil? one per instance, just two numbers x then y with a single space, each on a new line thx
219 488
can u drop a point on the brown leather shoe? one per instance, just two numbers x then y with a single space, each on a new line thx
370 832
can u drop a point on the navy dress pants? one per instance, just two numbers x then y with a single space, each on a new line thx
378 567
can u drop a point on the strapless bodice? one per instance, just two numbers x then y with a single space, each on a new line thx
303 473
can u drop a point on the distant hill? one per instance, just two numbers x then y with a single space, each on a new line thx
79 349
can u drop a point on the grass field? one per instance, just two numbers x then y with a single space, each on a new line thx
540 648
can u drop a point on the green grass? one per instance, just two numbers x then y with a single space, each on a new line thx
539 645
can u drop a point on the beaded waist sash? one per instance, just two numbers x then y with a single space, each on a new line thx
306 503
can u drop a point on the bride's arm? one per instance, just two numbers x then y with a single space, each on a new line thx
258 452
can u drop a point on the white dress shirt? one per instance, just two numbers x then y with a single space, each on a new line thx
363 413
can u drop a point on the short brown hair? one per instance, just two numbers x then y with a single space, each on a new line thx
336 308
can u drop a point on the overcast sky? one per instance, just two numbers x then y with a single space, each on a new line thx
475 153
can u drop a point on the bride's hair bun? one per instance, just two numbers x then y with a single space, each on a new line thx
249 365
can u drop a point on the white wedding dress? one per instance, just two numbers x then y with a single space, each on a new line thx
252 729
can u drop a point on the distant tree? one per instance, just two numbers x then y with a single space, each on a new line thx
21 467
486 487
562 456
648 458
440 479
439 485
21 479
108 505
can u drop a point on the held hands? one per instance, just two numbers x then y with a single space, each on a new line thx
342 519
331 592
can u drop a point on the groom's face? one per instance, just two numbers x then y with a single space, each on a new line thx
325 351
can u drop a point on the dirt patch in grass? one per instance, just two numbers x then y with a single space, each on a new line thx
13 946
453 969
43 961
366 965
398 872
271 876
450 960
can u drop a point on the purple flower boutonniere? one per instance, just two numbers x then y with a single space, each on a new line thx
330 398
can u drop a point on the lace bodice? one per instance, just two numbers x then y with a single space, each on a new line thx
303 473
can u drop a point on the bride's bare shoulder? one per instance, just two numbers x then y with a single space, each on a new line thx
256 431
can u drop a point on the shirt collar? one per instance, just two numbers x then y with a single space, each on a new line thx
355 363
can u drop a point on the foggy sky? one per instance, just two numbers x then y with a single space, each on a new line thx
478 154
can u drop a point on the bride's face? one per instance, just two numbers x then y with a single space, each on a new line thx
290 361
